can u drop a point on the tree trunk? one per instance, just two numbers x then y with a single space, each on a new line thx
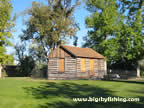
141 7
105 67
138 70
0 71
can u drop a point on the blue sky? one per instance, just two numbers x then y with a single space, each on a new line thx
20 5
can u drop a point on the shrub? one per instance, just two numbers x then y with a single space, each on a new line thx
40 71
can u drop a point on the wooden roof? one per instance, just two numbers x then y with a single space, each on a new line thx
64 50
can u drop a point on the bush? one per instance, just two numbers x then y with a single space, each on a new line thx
26 66
40 71
142 74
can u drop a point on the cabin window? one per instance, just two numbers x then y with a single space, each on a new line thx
82 65
61 65
91 62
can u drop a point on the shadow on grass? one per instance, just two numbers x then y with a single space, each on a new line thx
60 95
126 81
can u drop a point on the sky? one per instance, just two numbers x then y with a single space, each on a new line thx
20 5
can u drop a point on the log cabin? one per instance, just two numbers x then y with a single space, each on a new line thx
67 62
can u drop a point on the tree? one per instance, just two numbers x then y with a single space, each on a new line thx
105 22
50 25
26 62
135 21
37 53
26 66
20 51
6 24
117 30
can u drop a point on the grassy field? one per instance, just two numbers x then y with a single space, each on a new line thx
29 93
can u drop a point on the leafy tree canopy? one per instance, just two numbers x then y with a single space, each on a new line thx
6 24
116 29
50 25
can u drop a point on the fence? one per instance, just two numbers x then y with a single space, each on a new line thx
123 73
10 71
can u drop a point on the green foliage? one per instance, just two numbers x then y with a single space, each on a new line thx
10 60
105 22
20 51
50 25
6 24
27 64
37 53
117 29
40 71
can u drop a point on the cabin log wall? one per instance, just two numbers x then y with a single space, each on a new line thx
69 71
99 68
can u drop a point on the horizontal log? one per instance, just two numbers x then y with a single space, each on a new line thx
54 75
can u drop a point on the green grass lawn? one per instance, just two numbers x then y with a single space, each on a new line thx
29 93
